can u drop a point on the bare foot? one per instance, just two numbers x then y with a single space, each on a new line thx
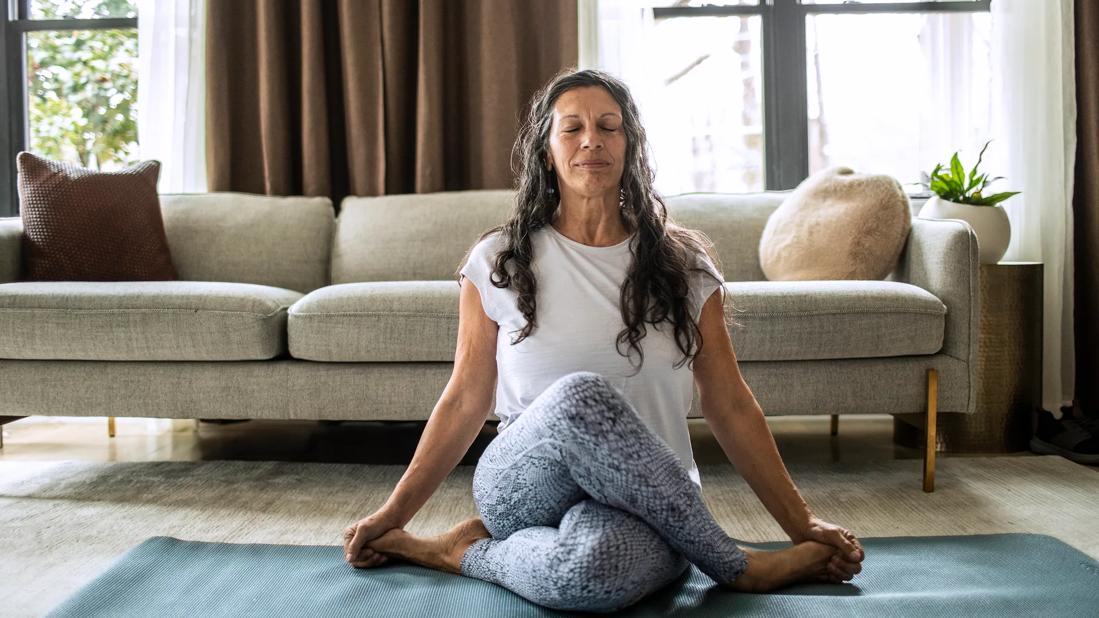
442 553
768 570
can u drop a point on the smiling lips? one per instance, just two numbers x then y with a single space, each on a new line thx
594 163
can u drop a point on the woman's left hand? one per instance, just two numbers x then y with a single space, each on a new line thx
849 555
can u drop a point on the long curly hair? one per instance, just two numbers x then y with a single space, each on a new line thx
665 254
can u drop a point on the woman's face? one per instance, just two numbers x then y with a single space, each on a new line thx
587 144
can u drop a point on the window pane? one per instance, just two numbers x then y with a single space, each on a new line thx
703 115
679 3
81 87
896 93
876 1
81 9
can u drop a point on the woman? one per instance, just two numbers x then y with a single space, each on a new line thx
589 496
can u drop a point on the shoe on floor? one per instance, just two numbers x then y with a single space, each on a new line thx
1070 437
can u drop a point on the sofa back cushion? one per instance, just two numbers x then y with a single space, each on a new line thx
425 236
734 222
283 242
414 237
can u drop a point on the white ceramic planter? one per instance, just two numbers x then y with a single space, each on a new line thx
989 223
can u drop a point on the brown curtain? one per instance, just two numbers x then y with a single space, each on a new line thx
1085 206
372 97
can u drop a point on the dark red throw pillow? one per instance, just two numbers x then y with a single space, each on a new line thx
84 225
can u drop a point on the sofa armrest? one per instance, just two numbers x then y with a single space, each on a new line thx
941 257
11 232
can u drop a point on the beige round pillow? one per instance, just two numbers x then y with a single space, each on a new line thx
837 225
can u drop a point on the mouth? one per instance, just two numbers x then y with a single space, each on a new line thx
592 164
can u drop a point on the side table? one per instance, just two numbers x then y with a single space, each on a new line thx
1009 368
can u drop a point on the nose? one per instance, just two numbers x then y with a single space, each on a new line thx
592 139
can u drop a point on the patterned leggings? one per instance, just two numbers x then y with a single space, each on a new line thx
588 509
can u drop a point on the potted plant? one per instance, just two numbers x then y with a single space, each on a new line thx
960 197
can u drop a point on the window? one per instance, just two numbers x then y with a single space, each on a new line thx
70 76
751 96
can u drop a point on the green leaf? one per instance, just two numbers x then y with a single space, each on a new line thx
996 198
956 170
973 182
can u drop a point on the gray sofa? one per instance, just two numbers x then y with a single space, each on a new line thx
284 311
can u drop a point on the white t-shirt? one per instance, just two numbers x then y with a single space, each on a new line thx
578 321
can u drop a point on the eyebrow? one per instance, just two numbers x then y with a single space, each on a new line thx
601 115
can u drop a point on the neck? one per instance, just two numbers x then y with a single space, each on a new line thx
591 220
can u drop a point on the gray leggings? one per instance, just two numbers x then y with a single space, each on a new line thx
588 509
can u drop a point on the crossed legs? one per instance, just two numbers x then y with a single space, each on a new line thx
587 508
584 508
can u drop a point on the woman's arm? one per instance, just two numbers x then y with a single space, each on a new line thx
736 420
454 424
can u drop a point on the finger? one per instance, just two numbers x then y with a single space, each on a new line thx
840 540
855 552
348 534
357 543
376 560
848 544
847 569
837 572
845 560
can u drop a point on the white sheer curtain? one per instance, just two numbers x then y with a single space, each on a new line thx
1034 116
171 122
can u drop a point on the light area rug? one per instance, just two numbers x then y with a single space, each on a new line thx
64 523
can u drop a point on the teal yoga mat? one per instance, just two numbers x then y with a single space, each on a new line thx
995 574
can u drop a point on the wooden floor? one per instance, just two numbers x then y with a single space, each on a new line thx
800 439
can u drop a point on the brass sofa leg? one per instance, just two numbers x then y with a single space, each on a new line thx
835 429
110 426
929 431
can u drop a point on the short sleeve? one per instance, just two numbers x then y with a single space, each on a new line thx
704 283
478 268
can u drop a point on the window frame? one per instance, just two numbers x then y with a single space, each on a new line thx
785 79
15 127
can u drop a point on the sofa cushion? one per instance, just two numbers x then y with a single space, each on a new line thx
376 322
421 236
734 222
143 320
84 225
807 320
280 241
796 320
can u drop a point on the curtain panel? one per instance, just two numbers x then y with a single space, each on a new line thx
374 97
1086 206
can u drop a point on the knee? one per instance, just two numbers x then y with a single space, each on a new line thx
587 396
585 382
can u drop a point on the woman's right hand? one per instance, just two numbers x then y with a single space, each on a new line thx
357 535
